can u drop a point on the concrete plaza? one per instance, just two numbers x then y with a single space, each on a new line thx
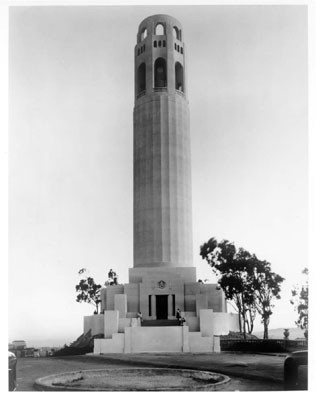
248 372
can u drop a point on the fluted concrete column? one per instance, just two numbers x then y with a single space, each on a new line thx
153 306
170 306
162 161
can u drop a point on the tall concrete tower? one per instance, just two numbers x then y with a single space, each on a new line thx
163 278
162 167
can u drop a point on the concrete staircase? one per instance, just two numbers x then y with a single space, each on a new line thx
160 322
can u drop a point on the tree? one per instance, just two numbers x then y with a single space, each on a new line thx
247 281
300 302
234 268
88 291
267 285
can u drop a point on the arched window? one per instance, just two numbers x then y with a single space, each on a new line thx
179 77
141 78
143 34
160 29
176 33
160 73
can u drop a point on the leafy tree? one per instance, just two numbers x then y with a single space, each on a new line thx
300 302
246 281
234 268
88 291
267 285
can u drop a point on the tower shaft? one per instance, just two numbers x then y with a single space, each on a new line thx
162 167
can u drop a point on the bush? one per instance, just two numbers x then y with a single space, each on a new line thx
262 345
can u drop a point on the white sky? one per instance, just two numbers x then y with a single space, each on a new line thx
70 170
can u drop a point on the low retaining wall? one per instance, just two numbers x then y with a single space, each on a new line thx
263 345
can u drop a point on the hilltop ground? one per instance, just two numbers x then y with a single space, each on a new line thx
249 372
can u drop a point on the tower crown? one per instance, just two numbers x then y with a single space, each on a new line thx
159 57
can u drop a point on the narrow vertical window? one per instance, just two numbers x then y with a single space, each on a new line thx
173 304
141 78
160 73
155 43
149 305
164 43
159 43
179 77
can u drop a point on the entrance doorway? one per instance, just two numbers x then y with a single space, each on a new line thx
162 306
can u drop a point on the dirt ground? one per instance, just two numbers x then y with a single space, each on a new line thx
29 369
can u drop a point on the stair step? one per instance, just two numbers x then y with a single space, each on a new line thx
161 322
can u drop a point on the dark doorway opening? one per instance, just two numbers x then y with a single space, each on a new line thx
162 306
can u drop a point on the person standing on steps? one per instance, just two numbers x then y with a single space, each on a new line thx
140 318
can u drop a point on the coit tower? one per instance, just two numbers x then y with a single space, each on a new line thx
162 170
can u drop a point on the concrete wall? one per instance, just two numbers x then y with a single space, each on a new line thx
158 339
216 298
132 293
224 322
199 344
111 291
113 345
201 303
111 323
95 323
193 323
127 322
183 274
120 304
103 299
207 323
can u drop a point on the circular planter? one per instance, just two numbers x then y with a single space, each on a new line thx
133 379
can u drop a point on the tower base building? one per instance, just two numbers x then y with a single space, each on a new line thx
157 293
163 278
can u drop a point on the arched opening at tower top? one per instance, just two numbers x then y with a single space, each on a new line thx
179 78
176 33
143 34
160 29
160 73
141 78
